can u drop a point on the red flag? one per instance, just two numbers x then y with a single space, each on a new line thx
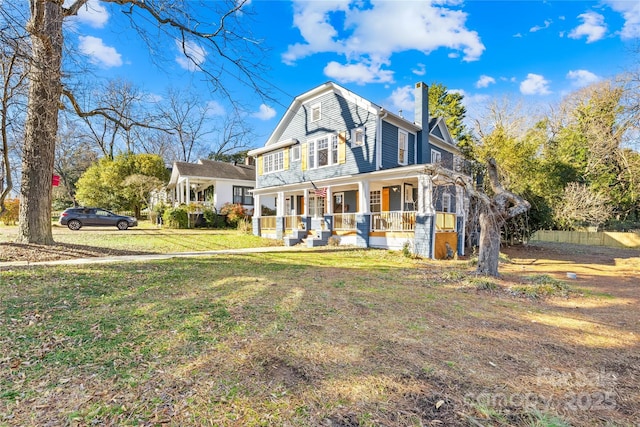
55 180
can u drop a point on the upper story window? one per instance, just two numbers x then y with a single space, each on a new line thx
446 202
403 147
357 137
316 112
242 195
323 152
295 152
273 162
436 156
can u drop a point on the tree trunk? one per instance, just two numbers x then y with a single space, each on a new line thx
45 89
489 245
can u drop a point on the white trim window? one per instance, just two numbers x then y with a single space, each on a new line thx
436 156
316 112
323 152
357 137
446 202
375 201
403 147
295 153
242 195
273 162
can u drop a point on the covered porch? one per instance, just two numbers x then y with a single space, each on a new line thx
386 209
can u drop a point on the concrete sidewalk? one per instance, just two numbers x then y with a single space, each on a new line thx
149 257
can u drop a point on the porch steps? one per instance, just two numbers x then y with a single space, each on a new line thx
318 238
297 237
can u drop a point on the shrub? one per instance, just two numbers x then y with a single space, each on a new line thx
542 285
10 215
176 217
234 213
245 226
334 241
212 219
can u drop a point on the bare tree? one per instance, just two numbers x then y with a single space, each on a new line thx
233 136
74 154
221 32
494 210
123 100
581 204
188 120
13 71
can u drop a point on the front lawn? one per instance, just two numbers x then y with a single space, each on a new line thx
328 338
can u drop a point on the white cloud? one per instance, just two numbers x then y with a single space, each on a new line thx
361 31
535 84
358 73
191 55
265 113
581 78
485 81
93 13
98 52
630 11
592 27
402 99
421 70
537 28
214 108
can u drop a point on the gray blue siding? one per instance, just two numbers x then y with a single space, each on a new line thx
337 115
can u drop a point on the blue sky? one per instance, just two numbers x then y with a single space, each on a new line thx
529 51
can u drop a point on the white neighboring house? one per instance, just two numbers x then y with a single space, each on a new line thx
212 184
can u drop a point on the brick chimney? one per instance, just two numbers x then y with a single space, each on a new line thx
421 95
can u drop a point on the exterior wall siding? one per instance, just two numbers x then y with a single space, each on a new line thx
390 146
337 115
447 157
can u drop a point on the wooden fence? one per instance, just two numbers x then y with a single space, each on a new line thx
601 238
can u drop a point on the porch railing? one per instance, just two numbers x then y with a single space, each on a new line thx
345 221
393 221
267 222
293 222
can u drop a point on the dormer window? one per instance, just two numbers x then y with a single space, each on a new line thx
316 112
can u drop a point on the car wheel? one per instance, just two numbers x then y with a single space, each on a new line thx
74 225
123 225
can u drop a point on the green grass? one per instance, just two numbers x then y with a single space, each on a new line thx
150 239
303 338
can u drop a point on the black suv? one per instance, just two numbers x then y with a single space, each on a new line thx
75 218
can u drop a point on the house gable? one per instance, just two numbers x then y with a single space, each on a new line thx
305 148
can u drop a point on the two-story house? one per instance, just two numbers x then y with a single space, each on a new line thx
340 165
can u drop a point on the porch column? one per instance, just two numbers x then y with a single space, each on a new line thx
188 191
363 197
424 235
461 218
305 210
328 209
328 202
280 214
363 216
257 213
